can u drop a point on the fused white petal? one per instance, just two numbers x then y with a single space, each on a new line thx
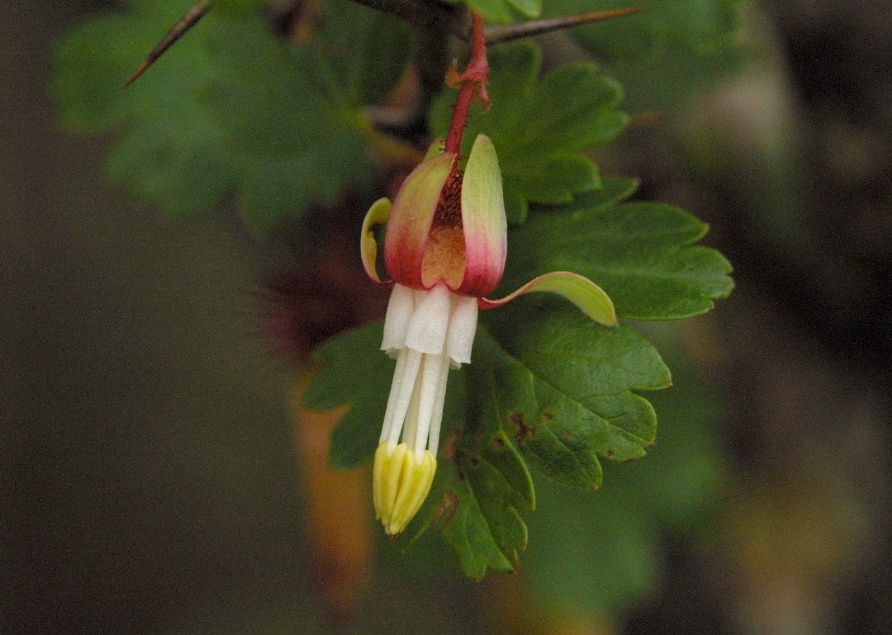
430 321
462 328
433 441
399 311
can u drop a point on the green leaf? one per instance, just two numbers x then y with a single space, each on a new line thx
289 111
90 65
663 25
577 175
172 154
563 388
185 172
615 533
481 487
528 8
493 11
284 116
667 80
484 527
541 128
639 253
367 51
614 189
238 5
230 110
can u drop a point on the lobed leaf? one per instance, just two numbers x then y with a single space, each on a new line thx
490 485
482 483
483 525
563 388
540 129
283 117
231 110
641 254
616 532
172 152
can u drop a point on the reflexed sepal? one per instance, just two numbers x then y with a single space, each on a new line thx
378 213
585 294
400 483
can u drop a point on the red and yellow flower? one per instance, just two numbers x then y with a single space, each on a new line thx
444 251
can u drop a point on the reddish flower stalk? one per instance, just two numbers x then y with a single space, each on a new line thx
470 84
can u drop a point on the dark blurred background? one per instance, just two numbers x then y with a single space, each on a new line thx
149 480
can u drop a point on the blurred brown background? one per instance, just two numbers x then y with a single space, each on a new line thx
149 482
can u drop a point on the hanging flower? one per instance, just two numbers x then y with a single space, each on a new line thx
444 250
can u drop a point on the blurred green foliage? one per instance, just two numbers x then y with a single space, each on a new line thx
599 554
540 138
280 128
234 112
504 11
698 25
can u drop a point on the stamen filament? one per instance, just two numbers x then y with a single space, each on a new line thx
433 441
430 381
394 389
410 426
404 393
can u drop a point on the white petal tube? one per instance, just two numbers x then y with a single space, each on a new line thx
399 311
462 328
428 330
430 321
433 373
433 441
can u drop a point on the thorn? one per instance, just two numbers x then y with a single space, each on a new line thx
189 19
501 34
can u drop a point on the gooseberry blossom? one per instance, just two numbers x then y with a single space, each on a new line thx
444 251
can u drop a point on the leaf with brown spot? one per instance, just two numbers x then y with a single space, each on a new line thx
564 388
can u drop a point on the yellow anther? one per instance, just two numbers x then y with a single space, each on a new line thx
400 483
